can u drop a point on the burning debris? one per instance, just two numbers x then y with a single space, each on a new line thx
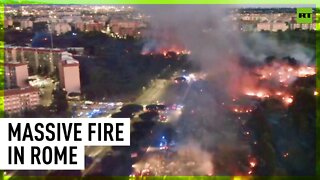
242 109
166 51
219 51
284 73
187 160
272 80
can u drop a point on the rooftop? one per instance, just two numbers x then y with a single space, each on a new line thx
14 64
27 48
29 89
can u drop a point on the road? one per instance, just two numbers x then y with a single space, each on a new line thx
160 91
153 94
149 96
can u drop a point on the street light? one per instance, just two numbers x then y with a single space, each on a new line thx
51 40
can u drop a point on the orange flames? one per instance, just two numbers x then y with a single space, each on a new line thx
259 94
263 94
176 51
284 73
269 81
165 51
242 109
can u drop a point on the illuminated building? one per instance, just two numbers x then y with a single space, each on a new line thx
16 75
16 100
69 74
35 57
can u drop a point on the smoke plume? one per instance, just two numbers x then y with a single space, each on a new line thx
210 33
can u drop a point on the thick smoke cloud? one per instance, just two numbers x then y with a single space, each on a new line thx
210 33
258 47
201 29
212 37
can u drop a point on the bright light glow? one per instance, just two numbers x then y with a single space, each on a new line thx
252 164
287 100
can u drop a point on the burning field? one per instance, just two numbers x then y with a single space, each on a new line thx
186 161
224 133
253 114
273 80
167 50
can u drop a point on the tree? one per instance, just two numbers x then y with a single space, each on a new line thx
60 103
303 111
149 116
132 108
122 115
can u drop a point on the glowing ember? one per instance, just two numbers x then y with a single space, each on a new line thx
167 51
252 164
177 52
239 109
285 155
287 100
259 94
267 93
306 71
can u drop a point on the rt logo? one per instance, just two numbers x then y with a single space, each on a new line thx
304 15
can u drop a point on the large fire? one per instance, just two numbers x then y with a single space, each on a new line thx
272 81
286 97
257 93
168 51
284 73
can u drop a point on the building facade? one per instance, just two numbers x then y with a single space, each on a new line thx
36 58
69 75
16 75
16 100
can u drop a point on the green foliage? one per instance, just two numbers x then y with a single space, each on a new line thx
123 75
303 111
60 103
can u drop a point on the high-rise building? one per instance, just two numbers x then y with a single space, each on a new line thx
69 74
19 99
16 75
36 58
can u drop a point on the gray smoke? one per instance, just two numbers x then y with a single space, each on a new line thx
257 47
212 37
211 34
